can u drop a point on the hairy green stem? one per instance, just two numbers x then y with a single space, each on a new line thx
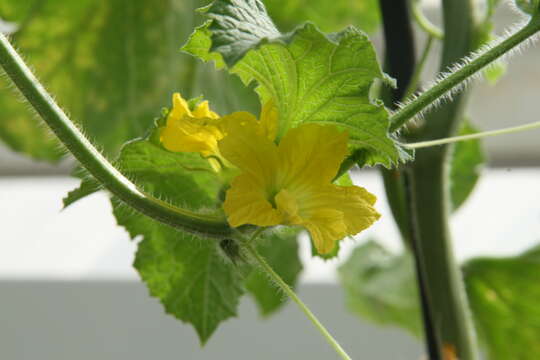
454 139
287 290
456 78
75 141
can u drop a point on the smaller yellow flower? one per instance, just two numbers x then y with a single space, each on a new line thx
201 129
191 131
291 183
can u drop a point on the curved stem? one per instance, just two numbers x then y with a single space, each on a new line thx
74 140
457 77
453 139
287 290
415 80
423 21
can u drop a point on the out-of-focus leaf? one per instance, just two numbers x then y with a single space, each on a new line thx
311 76
530 7
328 15
495 72
468 158
111 64
281 251
380 287
485 34
189 275
504 294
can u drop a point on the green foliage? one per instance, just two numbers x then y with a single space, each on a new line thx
530 7
194 278
467 161
328 15
504 296
311 76
281 251
88 186
189 275
112 64
381 287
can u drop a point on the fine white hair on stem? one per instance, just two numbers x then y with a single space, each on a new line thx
448 96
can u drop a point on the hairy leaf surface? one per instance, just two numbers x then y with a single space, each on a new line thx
311 76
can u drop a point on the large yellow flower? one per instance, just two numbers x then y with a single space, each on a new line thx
291 183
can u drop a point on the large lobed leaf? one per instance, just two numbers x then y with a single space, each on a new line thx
192 277
186 273
504 296
111 64
312 77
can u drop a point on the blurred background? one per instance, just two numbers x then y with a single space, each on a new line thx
68 288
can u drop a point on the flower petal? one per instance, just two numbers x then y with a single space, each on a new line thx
326 227
269 119
314 208
189 135
203 111
246 147
246 203
357 207
188 131
180 108
312 153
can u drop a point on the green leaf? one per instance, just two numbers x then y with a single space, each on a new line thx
328 15
88 186
466 165
312 77
184 179
281 251
111 64
504 294
190 276
381 287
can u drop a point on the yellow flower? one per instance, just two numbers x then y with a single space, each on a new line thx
201 129
291 183
191 131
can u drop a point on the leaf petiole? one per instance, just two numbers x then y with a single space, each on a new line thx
261 262
454 139
462 73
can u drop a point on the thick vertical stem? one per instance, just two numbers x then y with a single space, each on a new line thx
430 190
400 62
